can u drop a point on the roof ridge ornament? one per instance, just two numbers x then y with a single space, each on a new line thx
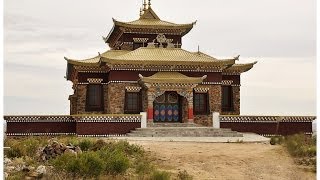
145 5
149 4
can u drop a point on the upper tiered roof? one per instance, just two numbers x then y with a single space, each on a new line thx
155 57
149 22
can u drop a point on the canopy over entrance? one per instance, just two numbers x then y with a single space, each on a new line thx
162 82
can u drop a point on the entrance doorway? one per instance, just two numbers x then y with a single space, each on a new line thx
167 108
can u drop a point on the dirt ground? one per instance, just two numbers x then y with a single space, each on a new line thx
226 160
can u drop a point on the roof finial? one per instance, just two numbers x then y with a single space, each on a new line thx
149 3
145 5
141 11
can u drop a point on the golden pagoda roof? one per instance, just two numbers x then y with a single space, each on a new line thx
240 68
147 55
171 77
150 20
95 61
174 56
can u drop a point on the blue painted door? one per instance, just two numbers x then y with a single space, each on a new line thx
167 108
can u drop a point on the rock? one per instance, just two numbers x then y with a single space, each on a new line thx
70 151
28 168
33 174
41 170
6 175
7 161
9 168
78 150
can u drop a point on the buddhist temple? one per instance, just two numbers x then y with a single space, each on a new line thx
146 69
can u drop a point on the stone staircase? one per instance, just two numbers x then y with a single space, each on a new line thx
181 130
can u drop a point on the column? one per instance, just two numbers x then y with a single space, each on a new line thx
150 108
190 109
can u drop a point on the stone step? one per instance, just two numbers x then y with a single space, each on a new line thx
173 125
183 132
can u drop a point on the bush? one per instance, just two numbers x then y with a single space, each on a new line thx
86 144
15 151
87 164
99 144
143 166
91 165
277 140
300 145
183 175
160 175
116 161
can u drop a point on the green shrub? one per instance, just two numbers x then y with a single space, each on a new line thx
87 164
160 175
86 144
16 175
16 151
183 175
99 144
143 166
67 162
277 140
116 161
91 165
32 146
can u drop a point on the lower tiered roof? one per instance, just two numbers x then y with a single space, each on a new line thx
161 59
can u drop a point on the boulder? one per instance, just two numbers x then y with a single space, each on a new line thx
41 170
7 161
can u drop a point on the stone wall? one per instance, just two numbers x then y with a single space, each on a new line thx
214 104
144 100
105 98
73 104
81 92
116 97
184 109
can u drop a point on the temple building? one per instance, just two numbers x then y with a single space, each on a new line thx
147 70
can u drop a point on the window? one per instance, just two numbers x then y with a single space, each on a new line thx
227 100
132 103
200 103
94 98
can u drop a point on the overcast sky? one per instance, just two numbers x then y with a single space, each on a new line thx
279 34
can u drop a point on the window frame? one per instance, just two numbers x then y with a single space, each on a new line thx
230 106
205 109
90 107
138 103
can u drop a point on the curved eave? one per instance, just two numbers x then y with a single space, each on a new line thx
184 27
240 68
221 64
86 62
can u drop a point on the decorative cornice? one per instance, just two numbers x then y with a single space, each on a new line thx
133 89
201 90
227 82
94 80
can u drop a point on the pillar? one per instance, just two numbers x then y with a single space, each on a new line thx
150 108
190 110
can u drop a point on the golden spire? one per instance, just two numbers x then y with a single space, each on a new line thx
145 5
149 3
